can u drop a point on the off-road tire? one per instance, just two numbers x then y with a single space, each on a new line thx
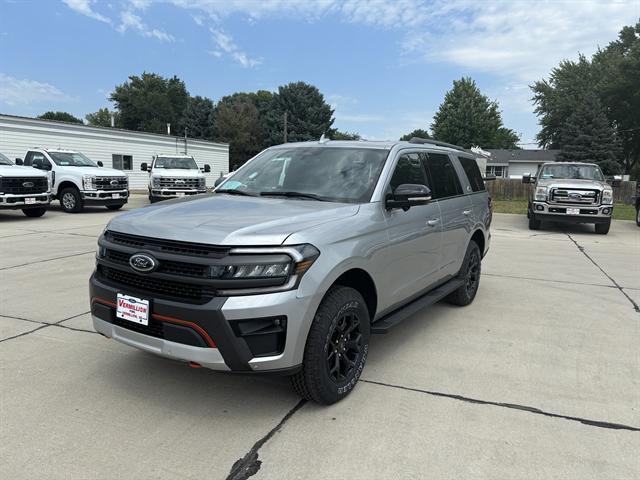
470 272
603 228
69 206
314 381
638 215
115 207
34 212
534 224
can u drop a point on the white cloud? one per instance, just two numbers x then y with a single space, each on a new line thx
84 7
131 21
226 44
16 91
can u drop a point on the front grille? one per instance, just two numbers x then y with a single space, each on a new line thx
574 196
154 329
165 266
168 246
181 183
111 183
157 286
23 185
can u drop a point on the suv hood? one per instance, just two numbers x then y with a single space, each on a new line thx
19 171
571 183
221 219
177 172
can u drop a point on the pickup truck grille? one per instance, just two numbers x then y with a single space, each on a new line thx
111 183
574 196
181 183
23 185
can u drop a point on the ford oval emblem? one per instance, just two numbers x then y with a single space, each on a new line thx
143 263
575 196
28 184
114 182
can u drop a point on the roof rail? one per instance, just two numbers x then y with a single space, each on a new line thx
439 144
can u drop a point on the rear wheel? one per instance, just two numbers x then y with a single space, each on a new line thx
470 273
638 215
34 212
603 228
336 349
70 200
534 224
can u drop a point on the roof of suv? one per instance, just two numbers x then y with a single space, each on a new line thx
570 163
386 145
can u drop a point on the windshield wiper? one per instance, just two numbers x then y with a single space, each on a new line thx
293 194
231 191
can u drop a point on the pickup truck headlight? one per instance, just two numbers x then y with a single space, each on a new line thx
89 182
155 181
541 194
202 183
607 197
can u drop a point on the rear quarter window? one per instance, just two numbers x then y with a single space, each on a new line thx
443 176
472 171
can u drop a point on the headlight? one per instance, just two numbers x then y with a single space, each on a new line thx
541 194
88 182
607 197
155 181
100 251
202 182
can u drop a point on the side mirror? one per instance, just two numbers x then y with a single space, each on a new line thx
408 195
207 168
19 161
100 164
143 166
47 167
526 178
489 178
218 181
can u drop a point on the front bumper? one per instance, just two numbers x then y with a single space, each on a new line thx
213 334
558 213
174 193
19 202
104 197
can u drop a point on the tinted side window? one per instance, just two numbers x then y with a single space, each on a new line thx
28 160
443 176
470 167
408 170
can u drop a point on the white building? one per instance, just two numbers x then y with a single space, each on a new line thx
121 149
515 163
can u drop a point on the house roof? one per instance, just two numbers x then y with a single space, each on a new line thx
504 156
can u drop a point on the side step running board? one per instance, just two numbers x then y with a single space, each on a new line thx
391 320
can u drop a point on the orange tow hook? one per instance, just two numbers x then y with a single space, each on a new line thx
195 365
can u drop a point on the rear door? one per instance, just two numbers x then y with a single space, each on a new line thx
455 209
412 257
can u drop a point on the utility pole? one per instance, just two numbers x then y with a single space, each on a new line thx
285 127
185 140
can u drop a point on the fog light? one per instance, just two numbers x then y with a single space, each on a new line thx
606 211
539 207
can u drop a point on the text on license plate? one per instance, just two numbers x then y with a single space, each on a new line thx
115 195
573 211
180 194
29 201
132 309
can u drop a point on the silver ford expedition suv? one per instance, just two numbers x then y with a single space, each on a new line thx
296 259
570 192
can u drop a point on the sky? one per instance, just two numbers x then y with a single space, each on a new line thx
383 65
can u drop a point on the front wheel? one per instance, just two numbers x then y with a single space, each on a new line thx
336 348
638 215
34 212
470 273
70 200
603 228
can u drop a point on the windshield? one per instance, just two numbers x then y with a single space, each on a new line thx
577 172
181 163
4 160
71 159
327 173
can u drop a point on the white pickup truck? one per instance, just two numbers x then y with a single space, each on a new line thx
172 176
78 181
23 189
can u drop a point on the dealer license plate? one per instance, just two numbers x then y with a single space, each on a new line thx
573 211
115 195
29 201
180 194
133 309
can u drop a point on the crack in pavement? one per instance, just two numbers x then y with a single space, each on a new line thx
546 280
48 260
249 465
581 248
513 406
45 325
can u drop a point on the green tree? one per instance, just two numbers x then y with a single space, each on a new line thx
335 134
418 132
102 118
308 115
468 118
148 102
586 136
60 117
236 121
198 118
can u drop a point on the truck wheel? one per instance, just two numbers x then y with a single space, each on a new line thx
115 207
533 223
638 216
70 200
470 272
603 228
336 348
34 212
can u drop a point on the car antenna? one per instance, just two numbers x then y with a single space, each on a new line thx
323 139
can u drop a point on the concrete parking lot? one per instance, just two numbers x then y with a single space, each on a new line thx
538 378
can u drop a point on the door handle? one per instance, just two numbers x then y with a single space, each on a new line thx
467 212
433 222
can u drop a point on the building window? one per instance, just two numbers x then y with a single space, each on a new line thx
122 162
498 171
